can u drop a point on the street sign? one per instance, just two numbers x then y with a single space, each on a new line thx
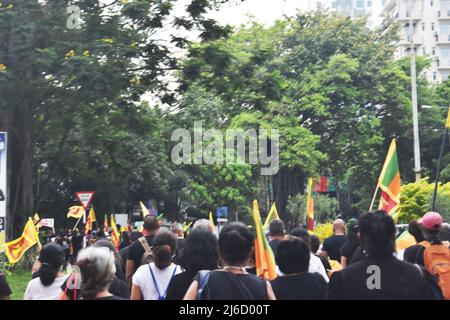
49 223
85 198
3 186
222 212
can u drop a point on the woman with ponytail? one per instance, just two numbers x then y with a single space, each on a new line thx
150 282
46 286
232 282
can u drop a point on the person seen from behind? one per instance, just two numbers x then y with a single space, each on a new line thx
232 282
332 246
381 276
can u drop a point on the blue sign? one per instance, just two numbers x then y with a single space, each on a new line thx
222 212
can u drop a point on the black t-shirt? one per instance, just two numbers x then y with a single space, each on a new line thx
398 280
5 290
136 251
333 245
124 254
324 260
224 285
117 288
274 245
348 249
358 255
179 285
303 286
77 244
414 254
178 249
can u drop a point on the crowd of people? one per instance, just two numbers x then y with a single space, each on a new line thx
165 265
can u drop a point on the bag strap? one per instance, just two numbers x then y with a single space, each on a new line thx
145 244
72 278
203 281
173 273
154 281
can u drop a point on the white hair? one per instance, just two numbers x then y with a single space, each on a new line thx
203 224
97 269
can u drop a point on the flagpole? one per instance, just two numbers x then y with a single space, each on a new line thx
374 197
438 169
77 222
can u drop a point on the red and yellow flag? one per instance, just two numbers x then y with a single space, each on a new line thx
76 212
15 249
389 182
91 218
105 223
115 235
265 261
310 206
273 215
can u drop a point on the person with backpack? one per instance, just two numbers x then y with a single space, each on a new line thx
232 282
432 253
380 275
151 280
140 252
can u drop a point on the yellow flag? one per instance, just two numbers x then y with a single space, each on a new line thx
92 215
37 221
273 215
211 219
144 210
16 249
447 123
76 212
115 235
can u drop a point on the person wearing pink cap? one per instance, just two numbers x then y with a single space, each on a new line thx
431 224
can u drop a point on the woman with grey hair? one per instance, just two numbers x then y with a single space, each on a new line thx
203 224
97 271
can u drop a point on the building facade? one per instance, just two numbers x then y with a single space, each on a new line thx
428 34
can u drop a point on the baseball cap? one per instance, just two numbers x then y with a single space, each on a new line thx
431 221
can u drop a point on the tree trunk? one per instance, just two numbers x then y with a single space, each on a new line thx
287 182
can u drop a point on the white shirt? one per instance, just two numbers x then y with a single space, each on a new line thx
144 280
37 291
315 265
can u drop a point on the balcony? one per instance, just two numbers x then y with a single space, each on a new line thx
407 15
444 14
443 39
406 41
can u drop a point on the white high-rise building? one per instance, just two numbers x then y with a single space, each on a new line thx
431 32
371 9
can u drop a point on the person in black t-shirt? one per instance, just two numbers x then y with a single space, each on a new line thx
292 258
97 270
430 226
136 251
351 243
332 246
381 276
5 290
200 252
177 229
232 282
124 252
277 232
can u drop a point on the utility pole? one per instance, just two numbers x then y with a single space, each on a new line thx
415 114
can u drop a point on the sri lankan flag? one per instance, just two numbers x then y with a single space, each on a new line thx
310 206
265 261
273 215
115 235
105 223
91 218
15 249
76 212
389 182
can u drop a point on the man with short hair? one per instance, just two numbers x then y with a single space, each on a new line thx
137 250
332 246
277 232
381 276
